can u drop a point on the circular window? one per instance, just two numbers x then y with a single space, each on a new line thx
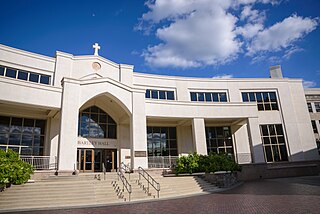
96 66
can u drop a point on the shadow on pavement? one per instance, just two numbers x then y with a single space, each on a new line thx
309 185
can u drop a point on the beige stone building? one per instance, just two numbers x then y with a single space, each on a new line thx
313 102
87 112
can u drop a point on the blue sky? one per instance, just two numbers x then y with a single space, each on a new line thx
199 38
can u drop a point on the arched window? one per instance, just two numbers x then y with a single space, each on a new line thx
95 123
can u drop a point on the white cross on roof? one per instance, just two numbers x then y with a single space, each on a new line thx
96 49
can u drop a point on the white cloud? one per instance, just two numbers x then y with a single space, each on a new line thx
135 52
309 84
252 16
282 34
205 36
248 31
288 53
223 76
194 33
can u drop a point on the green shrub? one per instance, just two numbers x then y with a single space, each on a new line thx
206 163
187 164
12 169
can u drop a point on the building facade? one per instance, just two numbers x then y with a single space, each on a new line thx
313 102
90 112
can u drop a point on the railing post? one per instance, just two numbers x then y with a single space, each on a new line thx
104 171
32 161
148 183
139 174
162 162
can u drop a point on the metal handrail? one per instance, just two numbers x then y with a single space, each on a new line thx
162 161
125 183
41 162
126 168
151 181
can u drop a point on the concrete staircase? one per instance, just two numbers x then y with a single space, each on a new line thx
92 189
176 186
59 192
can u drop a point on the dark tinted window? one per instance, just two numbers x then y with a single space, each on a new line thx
170 95
215 97
147 93
34 77
44 79
208 97
159 94
162 95
245 97
154 94
200 96
95 123
161 141
223 97
193 96
11 73
23 135
265 100
273 143
22 75
219 140
1 71
252 97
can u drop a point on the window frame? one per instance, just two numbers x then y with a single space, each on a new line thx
274 142
214 140
215 97
317 106
160 141
156 94
98 123
37 137
41 78
263 99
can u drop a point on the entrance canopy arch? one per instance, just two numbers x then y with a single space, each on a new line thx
101 138
115 91
110 105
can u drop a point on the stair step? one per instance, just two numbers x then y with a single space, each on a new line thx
83 189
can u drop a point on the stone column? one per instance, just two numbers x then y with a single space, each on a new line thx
241 142
199 136
69 125
255 140
138 131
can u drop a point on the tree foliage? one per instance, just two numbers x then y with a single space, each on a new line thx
12 169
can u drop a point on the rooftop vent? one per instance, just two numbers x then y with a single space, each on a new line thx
275 72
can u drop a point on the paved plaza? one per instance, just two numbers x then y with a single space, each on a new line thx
285 195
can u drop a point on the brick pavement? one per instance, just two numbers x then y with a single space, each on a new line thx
287 195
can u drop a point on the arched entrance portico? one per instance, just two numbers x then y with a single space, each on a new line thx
114 99
97 145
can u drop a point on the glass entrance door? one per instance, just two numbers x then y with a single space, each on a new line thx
91 160
85 160
98 160
110 160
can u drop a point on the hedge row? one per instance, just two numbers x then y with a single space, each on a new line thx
205 163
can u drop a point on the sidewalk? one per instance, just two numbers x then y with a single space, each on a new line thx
285 195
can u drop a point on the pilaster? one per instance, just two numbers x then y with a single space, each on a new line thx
199 135
69 125
138 131
255 140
